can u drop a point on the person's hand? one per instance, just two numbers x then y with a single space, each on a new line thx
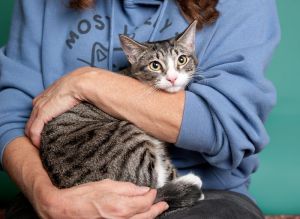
55 100
104 199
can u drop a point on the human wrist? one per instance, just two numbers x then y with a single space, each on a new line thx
86 84
44 198
22 163
43 191
39 189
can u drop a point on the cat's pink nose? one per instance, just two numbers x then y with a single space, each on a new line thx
172 79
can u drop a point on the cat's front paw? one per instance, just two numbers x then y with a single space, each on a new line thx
192 179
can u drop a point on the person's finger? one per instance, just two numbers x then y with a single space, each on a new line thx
141 203
36 109
35 131
29 122
45 93
153 212
130 206
37 98
38 125
42 97
127 188
32 118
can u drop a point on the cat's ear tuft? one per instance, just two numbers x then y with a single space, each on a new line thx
187 38
131 48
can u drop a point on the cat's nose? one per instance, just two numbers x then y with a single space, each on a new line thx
172 79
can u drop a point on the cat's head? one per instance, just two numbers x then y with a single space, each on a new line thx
167 65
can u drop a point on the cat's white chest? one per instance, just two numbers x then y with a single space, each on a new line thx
161 171
160 166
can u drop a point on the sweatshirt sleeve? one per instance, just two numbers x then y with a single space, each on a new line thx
20 70
224 112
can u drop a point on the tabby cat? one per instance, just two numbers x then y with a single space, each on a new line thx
85 144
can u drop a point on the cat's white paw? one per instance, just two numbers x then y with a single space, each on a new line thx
202 197
190 179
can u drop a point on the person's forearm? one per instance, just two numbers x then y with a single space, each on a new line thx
157 112
22 162
90 200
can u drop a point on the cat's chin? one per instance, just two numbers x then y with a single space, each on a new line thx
173 89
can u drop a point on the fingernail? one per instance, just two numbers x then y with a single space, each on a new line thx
144 188
166 206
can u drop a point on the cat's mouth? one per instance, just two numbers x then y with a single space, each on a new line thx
173 89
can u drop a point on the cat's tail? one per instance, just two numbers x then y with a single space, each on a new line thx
182 192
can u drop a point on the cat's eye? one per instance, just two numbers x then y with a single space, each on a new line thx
182 60
155 66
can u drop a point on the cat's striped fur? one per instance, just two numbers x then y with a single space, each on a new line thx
85 144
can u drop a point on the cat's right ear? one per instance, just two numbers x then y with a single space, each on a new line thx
131 48
187 38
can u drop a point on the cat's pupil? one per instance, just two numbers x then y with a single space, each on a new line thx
182 59
155 65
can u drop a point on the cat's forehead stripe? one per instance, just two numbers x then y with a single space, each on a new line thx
161 52
171 50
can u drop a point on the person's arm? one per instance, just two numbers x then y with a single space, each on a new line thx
20 81
23 164
157 112
104 199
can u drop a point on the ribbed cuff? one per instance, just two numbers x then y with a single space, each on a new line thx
6 138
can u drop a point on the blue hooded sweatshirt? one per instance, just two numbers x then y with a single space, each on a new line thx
223 122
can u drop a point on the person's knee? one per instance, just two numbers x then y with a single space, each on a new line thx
220 205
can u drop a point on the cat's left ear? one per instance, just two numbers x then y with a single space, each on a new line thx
131 48
187 38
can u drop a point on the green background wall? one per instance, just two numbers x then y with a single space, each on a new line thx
276 185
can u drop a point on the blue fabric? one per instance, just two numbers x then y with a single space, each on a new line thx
222 128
